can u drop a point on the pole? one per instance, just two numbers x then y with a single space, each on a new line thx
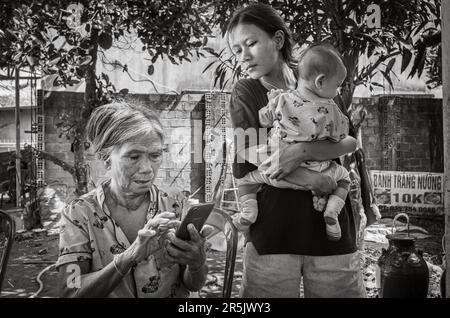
17 117
446 121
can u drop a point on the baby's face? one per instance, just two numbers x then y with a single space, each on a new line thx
330 85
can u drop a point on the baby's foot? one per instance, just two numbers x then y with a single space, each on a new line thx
319 203
247 216
332 226
241 224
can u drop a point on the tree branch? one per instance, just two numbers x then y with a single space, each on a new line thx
46 156
374 66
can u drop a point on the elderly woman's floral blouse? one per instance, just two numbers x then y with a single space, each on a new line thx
87 232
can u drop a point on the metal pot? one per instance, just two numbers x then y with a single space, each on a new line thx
403 271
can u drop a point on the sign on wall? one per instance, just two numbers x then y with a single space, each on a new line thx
419 193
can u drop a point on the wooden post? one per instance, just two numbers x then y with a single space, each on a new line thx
18 157
446 121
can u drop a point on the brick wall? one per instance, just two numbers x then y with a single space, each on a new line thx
403 133
182 118
400 133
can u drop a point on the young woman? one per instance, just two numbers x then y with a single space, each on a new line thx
288 241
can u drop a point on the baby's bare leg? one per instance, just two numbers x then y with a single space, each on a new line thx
249 210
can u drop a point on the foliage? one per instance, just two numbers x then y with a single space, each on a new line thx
64 38
428 58
30 30
343 23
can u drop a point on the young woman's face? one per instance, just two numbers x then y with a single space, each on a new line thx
134 164
255 50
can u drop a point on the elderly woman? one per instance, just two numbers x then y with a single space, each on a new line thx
118 240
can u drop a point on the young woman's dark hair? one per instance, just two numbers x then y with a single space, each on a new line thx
266 18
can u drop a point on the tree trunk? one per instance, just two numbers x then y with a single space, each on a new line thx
90 101
344 99
348 88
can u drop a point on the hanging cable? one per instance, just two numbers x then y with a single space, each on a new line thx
38 279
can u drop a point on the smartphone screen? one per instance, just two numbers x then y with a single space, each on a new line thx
196 215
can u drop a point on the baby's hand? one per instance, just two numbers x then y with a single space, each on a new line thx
274 93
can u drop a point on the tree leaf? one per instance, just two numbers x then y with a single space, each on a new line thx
123 91
105 40
211 51
209 65
105 77
30 60
151 69
54 61
406 58
390 65
222 76
85 60
388 79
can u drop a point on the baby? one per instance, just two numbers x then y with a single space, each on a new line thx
303 115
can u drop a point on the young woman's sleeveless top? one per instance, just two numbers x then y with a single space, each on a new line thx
287 222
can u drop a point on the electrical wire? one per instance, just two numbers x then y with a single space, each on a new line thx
41 284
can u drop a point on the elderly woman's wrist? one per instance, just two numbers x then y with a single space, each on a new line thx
124 262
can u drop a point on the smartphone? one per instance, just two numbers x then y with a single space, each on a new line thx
197 215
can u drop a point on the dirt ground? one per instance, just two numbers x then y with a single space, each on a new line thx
37 250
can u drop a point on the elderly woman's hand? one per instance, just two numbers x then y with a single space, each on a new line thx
149 240
190 253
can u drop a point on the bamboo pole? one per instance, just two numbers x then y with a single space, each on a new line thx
446 121
18 157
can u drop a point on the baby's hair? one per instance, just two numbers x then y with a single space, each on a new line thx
319 58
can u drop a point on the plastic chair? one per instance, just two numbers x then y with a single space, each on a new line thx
222 222
8 227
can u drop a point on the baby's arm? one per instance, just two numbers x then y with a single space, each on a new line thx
267 113
291 157
266 116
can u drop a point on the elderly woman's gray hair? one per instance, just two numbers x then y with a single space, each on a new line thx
117 123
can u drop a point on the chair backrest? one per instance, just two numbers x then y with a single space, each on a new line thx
7 233
222 222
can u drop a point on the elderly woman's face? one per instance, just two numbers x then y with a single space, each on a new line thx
134 165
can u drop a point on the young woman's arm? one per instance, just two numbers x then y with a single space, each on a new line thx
291 157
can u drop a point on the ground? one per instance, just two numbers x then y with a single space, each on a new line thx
35 251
